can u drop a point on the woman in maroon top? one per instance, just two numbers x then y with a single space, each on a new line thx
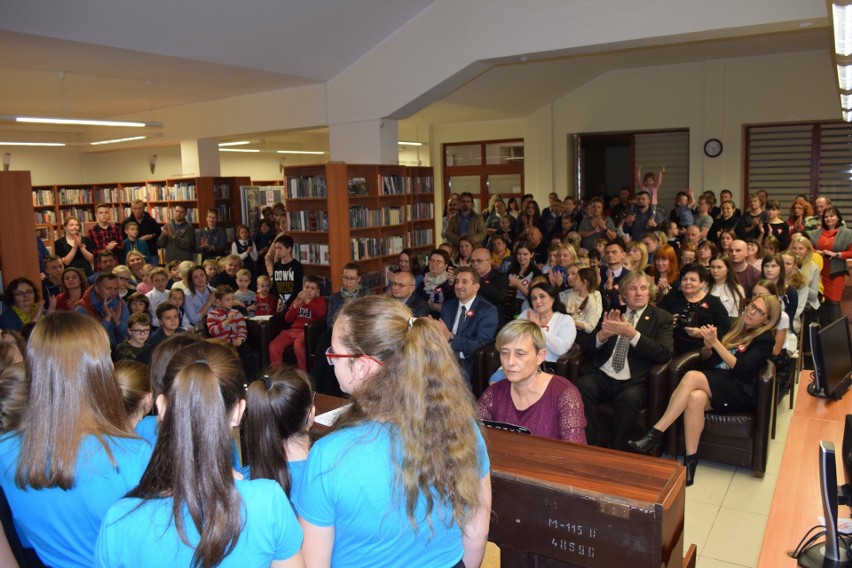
547 405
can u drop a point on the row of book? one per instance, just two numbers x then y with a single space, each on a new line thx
42 197
224 211
45 217
222 191
74 196
313 253
166 214
308 220
360 217
421 237
365 247
393 185
182 191
306 186
83 215
123 194
422 211
422 184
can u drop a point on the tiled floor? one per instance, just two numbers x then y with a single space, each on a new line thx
726 508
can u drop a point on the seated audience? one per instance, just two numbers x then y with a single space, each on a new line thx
547 311
135 346
665 271
307 307
621 352
402 289
583 301
23 305
72 289
692 307
436 288
725 285
726 380
546 404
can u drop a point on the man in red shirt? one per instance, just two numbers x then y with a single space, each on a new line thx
105 235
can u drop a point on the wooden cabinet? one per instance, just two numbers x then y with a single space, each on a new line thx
367 213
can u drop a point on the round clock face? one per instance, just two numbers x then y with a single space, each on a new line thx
712 148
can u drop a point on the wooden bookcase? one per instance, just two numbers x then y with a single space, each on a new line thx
18 251
53 204
367 213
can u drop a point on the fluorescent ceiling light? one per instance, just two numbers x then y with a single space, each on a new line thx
85 122
844 77
842 16
310 152
238 143
117 140
53 144
847 116
244 150
402 143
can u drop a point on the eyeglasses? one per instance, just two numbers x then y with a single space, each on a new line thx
330 356
141 331
20 293
752 308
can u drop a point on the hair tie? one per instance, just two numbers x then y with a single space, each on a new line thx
411 322
204 361
266 382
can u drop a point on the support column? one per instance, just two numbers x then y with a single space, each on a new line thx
365 142
200 157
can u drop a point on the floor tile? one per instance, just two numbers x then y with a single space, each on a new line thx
736 537
698 520
713 563
748 493
711 483
774 455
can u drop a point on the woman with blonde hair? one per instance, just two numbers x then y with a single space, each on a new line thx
811 267
74 454
638 252
726 377
403 477
546 404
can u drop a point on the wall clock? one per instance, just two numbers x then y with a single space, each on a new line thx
712 148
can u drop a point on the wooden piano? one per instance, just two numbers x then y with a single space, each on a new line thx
556 504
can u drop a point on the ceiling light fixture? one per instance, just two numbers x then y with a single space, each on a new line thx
52 144
86 122
117 140
402 143
842 17
244 150
238 143
309 152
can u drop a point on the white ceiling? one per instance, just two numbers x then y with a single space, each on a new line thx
189 51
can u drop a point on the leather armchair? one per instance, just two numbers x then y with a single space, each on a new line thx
657 398
740 438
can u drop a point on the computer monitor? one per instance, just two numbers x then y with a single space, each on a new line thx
831 347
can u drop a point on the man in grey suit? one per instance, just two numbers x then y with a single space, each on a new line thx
624 346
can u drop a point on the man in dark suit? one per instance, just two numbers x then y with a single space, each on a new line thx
625 344
402 289
493 286
468 322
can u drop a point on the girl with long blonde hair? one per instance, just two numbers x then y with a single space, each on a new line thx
403 478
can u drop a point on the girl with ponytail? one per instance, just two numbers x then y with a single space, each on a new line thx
279 415
403 477
191 508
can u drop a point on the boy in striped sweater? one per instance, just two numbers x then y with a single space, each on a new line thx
226 323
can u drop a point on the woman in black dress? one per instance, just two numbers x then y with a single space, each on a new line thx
693 307
725 379
73 248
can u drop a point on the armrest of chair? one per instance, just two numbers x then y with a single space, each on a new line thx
276 325
569 364
764 394
678 367
486 360
313 331
658 392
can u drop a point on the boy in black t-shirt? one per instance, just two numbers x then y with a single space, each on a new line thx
286 272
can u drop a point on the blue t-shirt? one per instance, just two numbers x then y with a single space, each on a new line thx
140 536
62 525
348 483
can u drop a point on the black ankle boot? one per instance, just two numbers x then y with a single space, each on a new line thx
648 444
691 463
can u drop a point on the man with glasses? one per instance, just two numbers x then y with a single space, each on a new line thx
493 285
402 289
467 222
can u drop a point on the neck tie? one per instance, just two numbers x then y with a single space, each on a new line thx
461 318
619 355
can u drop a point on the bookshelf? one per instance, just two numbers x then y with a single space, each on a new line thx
18 251
366 213
52 205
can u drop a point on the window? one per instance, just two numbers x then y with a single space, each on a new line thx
484 168
788 159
